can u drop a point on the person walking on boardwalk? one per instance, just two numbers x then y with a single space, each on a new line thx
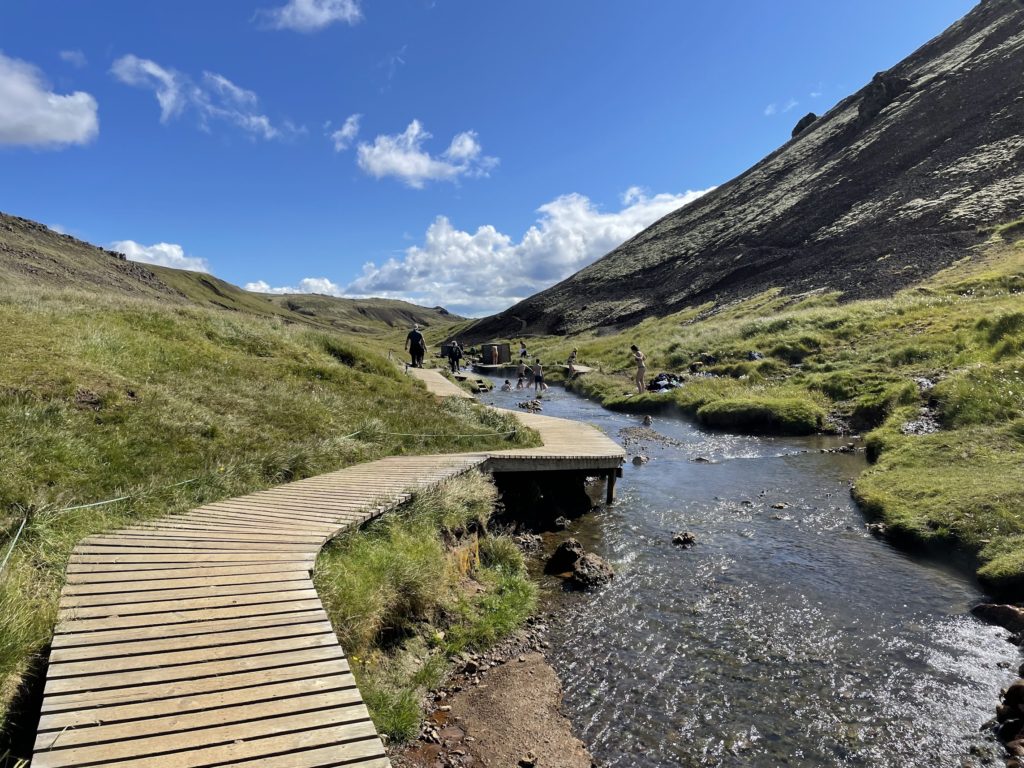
454 355
416 346
571 362
521 373
538 376
641 367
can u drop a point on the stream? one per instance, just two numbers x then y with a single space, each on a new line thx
786 636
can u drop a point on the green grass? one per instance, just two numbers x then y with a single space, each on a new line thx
396 595
104 396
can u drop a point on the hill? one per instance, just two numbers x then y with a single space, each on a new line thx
887 188
32 255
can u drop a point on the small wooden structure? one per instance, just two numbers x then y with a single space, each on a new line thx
495 354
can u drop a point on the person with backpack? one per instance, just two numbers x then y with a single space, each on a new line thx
416 345
454 355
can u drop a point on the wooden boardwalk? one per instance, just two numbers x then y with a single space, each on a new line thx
199 640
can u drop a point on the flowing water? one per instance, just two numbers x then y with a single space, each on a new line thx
785 636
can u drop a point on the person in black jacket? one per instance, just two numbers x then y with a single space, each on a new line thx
416 346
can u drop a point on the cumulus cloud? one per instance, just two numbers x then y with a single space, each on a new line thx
311 15
481 272
213 98
306 285
162 254
33 115
75 58
403 156
344 136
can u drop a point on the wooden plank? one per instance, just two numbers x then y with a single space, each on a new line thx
209 746
291 703
137 597
186 616
113 713
165 661
93 574
126 648
189 672
68 635
127 588
165 697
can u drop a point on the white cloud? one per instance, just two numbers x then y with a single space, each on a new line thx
402 156
771 109
306 285
214 98
344 136
75 58
163 254
312 15
168 85
790 105
475 273
33 115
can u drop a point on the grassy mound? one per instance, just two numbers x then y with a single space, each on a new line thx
396 595
172 407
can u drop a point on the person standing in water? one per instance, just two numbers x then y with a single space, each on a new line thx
416 346
538 377
641 367
522 374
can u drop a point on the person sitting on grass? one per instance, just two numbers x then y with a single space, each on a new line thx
507 386
538 376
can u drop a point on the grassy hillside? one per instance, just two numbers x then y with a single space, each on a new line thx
945 355
173 405
32 256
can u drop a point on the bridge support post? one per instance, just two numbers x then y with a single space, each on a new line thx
610 486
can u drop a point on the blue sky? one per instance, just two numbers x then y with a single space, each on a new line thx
458 153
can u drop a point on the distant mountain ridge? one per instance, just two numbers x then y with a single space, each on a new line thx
888 187
31 254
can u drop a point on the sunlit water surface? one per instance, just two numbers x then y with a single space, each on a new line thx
785 636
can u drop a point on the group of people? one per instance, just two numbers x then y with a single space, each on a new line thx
416 345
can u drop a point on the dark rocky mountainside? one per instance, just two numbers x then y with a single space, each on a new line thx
888 187
34 256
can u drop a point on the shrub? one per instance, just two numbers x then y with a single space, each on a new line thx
501 553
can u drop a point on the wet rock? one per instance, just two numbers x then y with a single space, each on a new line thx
1006 616
684 539
877 529
780 505
591 571
561 523
1009 730
564 557
701 460
639 460
648 421
533 406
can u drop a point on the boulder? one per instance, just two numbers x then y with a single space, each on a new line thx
684 539
1007 616
591 571
880 93
564 557
561 523
804 123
